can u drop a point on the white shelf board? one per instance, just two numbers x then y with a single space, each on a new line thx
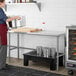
38 4
16 3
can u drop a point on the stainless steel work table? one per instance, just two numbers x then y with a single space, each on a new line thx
56 34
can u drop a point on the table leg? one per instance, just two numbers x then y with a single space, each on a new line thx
18 44
64 50
57 57
53 64
9 44
26 61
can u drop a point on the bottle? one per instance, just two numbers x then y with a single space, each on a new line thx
10 1
23 1
29 0
15 1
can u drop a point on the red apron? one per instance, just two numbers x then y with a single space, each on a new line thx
3 34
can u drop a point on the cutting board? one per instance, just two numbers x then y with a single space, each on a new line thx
26 29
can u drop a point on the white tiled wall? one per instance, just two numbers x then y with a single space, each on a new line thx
55 14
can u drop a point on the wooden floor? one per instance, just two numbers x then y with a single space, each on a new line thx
35 65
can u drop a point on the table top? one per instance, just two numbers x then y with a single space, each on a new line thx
34 31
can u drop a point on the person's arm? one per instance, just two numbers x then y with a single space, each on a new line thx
13 18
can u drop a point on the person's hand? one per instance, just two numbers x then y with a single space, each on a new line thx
17 17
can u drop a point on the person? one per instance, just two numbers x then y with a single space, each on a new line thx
3 34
